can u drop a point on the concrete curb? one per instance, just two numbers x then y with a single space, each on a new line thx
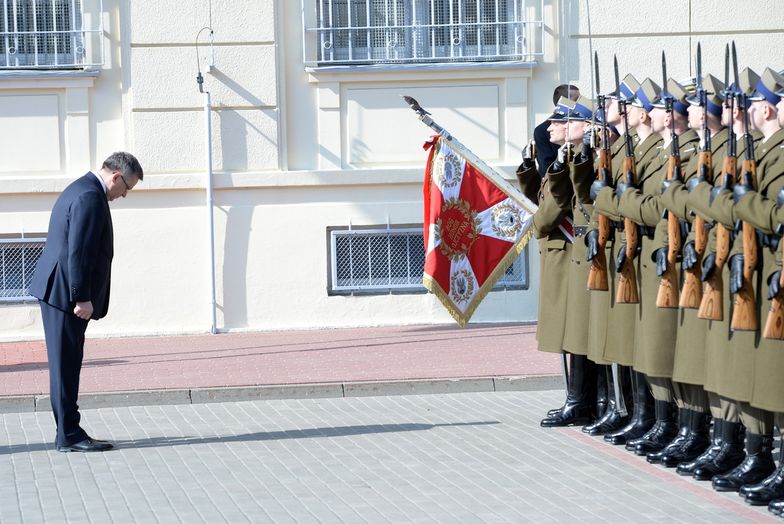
29 403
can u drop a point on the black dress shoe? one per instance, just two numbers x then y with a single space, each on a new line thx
87 445
755 468
776 507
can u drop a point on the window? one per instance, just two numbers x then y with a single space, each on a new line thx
18 258
414 31
46 34
391 260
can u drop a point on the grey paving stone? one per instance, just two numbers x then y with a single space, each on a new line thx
469 457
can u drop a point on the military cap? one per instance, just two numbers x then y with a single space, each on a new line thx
768 85
564 110
678 94
646 95
748 84
628 87
584 108
713 88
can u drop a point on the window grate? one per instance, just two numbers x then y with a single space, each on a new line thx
391 260
48 34
18 258
344 32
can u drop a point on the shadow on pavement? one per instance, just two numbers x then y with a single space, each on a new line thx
328 432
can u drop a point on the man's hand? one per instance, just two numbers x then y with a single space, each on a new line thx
689 255
660 257
592 243
621 259
736 273
528 154
717 190
708 267
774 285
623 185
596 186
564 156
742 189
84 310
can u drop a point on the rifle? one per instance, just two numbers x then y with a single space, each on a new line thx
667 296
627 292
744 315
597 274
691 295
712 305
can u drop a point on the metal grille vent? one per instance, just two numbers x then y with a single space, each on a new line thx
391 260
18 258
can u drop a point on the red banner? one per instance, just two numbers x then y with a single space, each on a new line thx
476 224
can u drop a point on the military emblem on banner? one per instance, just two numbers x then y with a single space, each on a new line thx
476 224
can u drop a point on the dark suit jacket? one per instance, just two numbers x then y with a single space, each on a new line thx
77 259
546 151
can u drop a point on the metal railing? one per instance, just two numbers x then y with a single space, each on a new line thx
392 259
50 34
18 258
358 32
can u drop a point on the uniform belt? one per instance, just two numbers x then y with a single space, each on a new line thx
580 231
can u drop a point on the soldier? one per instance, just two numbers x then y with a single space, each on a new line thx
553 227
689 363
621 317
777 505
757 206
602 302
730 359
657 327
581 174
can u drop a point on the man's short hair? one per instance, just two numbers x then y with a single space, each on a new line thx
566 91
125 163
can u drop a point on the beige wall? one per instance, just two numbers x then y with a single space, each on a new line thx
294 151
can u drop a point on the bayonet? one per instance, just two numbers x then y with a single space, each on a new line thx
702 97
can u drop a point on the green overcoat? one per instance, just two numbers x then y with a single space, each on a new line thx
656 328
619 347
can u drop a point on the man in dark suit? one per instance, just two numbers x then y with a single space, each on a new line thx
71 283
546 150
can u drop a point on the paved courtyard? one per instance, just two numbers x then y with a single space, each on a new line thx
466 457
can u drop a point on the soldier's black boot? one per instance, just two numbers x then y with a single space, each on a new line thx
688 468
697 441
662 433
729 455
579 406
684 429
612 420
757 465
642 416
776 507
770 489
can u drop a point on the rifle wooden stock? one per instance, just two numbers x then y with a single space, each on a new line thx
597 274
667 295
774 326
691 294
712 305
627 292
744 314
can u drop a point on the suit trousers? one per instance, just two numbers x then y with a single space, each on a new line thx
64 334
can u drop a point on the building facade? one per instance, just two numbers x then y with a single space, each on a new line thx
317 163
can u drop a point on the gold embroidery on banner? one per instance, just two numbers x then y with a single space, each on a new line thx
448 172
457 228
461 286
507 221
